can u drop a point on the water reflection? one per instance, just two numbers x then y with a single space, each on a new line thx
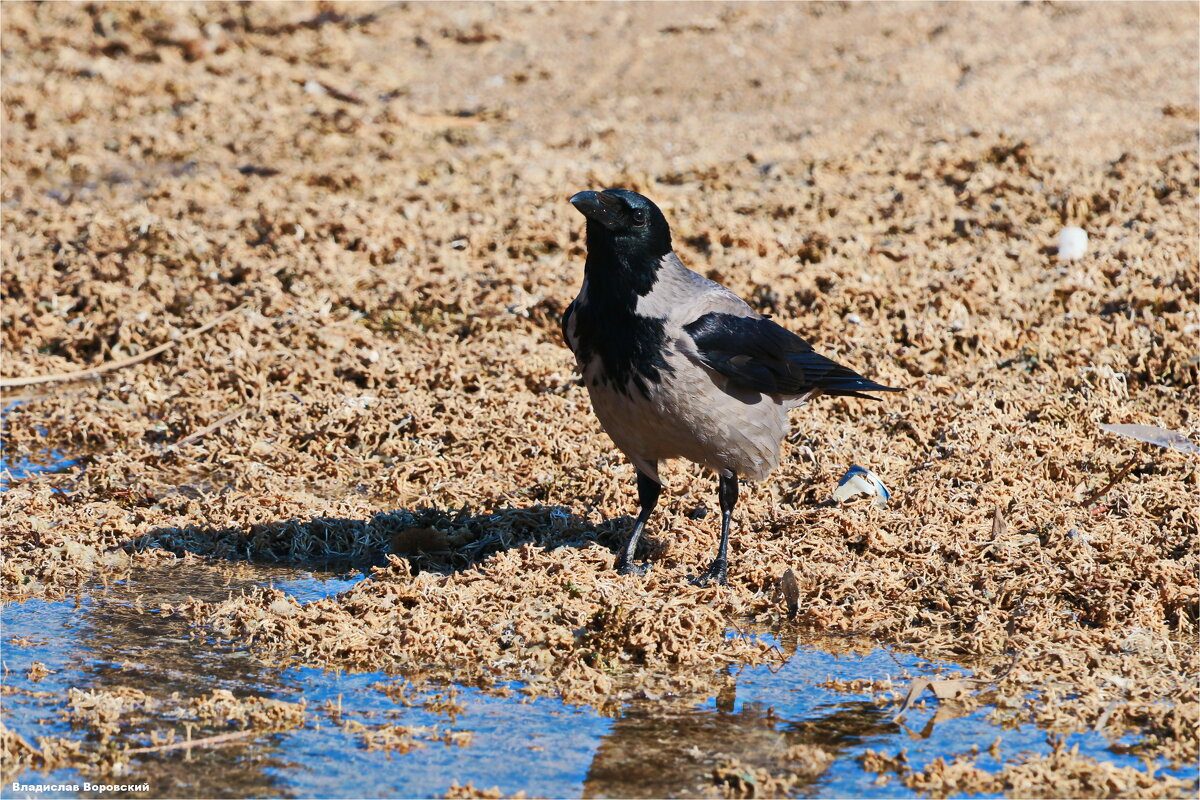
112 639
656 753
115 640
49 461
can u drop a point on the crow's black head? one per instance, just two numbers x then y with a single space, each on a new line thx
627 242
625 231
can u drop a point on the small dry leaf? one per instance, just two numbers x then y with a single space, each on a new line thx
949 689
915 689
943 689
1153 434
999 526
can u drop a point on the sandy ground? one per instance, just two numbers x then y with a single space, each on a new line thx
378 193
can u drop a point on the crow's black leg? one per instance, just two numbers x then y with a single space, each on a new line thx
648 491
728 493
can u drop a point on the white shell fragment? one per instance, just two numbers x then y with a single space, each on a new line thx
1154 435
1072 244
858 480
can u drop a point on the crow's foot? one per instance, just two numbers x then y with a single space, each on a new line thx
632 568
714 574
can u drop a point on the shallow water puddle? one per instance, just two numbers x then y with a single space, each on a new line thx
111 638
52 461
47 461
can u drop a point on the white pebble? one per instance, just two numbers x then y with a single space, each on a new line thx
1072 244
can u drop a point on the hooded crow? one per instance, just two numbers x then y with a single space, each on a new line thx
678 366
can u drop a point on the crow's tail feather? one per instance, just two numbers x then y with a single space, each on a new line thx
856 387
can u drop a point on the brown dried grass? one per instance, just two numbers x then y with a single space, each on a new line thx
392 218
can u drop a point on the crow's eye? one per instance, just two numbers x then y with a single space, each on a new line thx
639 217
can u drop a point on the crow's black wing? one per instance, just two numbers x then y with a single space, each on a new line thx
566 317
756 354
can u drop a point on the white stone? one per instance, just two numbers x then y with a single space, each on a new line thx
1072 243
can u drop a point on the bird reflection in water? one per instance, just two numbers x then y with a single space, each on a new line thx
662 752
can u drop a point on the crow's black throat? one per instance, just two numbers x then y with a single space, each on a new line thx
631 347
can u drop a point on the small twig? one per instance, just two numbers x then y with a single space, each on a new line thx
93 372
338 94
205 431
189 743
1124 471
1003 674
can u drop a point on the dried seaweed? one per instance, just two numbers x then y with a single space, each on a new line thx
402 250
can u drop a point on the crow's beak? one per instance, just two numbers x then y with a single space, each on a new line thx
602 208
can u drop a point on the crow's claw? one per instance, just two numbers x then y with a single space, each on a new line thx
716 573
632 568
